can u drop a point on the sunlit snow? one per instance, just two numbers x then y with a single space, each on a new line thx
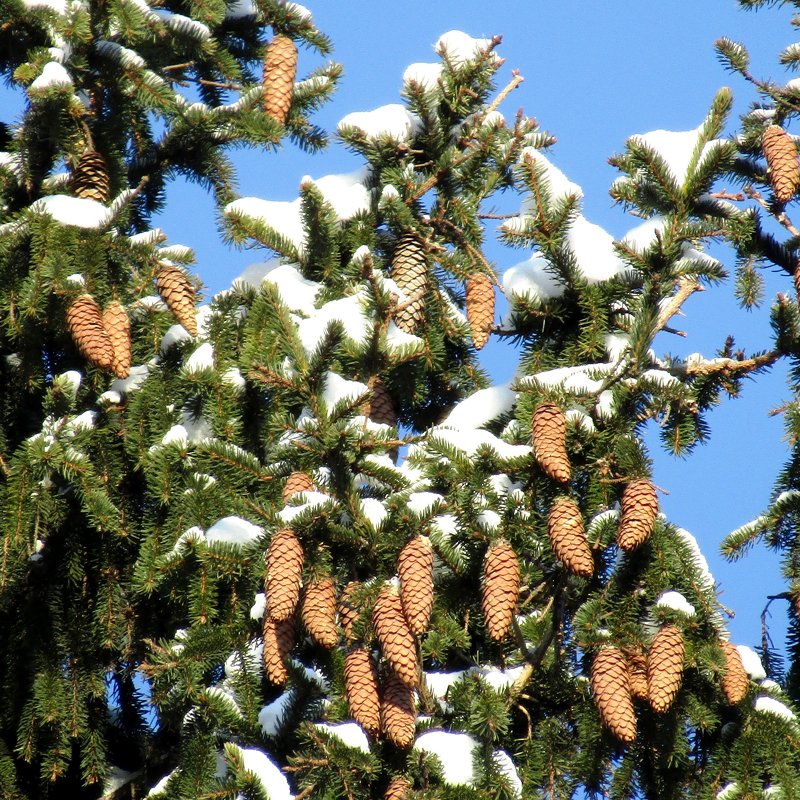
676 601
481 407
534 279
460 47
233 530
392 121
53 74
455 751
80 212
350 733
425 74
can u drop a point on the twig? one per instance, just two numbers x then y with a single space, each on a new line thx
780 216
686 288
513 83
732 366
738 196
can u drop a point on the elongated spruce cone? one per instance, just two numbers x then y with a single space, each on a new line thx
90 179
118 328
398 788
410 273
397 643
612 694
781 154
480 308
279 636
638 515
178 293
349 612
284 574
549 431
665 668
85 323
500 588
297 482
280 69
318 612
361 688
735 681
415 568
637 671
398 711
568 537
379 408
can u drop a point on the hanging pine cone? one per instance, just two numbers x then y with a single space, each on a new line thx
284 574
415 568
349 612
612 694
178 293
118 328
278 644
410 273
398 788
781 154
318 612
379 408
637 673
280 68
397 642
85 323
297 482
90 179
500 588
735 681
638 515
480 308
361 688
665 668
398 711
549 431
568 537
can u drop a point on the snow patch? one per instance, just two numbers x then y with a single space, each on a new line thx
392 121
350 733
677 602
751 662
769 705
425 74
455 751
481 407
53 74
459 47
80 212
233 530
533 279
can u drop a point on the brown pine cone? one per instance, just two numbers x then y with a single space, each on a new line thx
639 510
85 323
349 612
415 568
398 788
278 643
178 293
90 179
318 612
297 482
665 668
549 431
284 574
637 673
397 642
500 588
379 408
398 711
361 688
410 273
612 694
781 154
118 328
280 68
568 537
480 308
735 681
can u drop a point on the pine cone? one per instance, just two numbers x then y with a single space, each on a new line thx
397 642
361 688
284 574
612 694
639 510
349 612
118 328
90 179
278 644
665 668
500 588
318 612
398 788
410 273
781 154
568 537
735 681
280 68
415 568
379 408
637 673
398 711
85 323
178 293
297 482
549 431
480 308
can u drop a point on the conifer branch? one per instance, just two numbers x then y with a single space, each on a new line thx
686 288
512 84
732 366
779 216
